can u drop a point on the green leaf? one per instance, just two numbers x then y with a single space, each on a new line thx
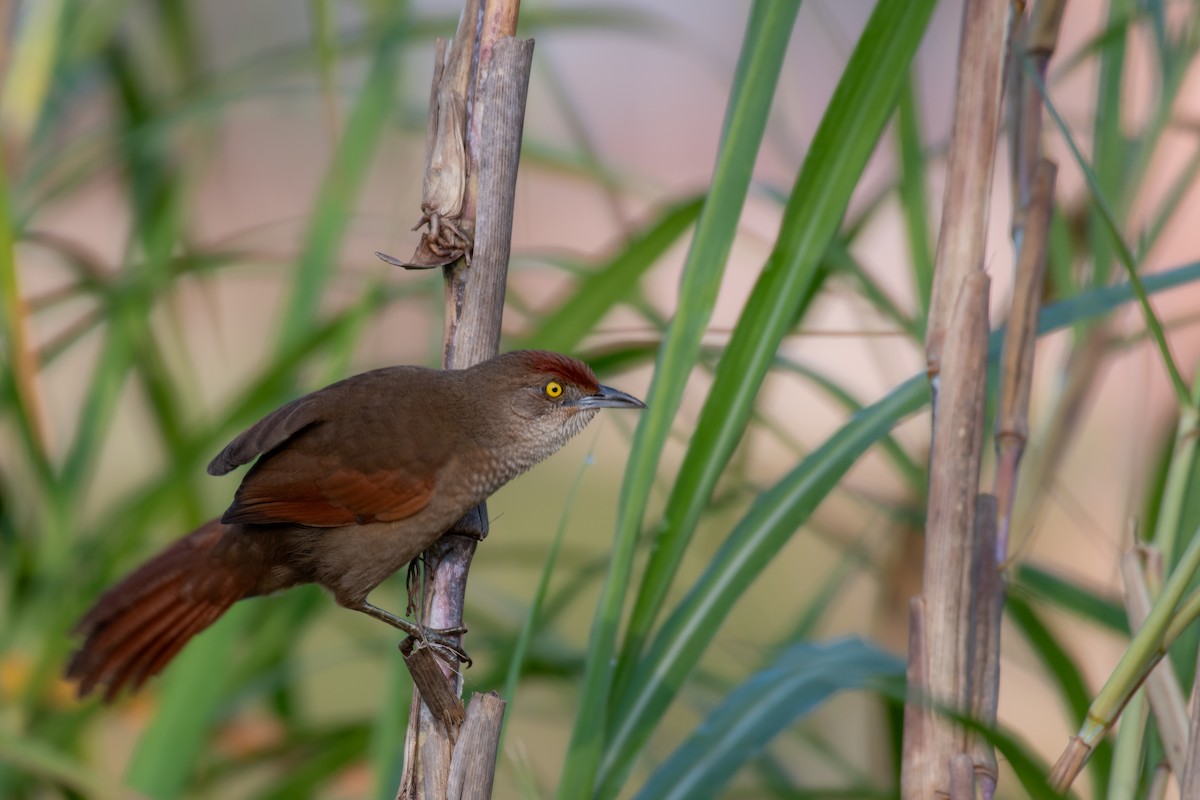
845 139
343 180
1128 260
387 734
763 49
913 201
775 516
771 520
801 679
1107 612
1063 670
168 751
534 616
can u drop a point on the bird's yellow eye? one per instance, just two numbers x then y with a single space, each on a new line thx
553 389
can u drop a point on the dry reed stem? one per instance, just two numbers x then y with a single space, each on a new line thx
1189 780
1069 764
1012 432
1162 686
962 778
448 169
956 357
984 657
915 747
1024 128
435 691
1033 198
1017 362
1074 393
973 137
436 714
1035 40
474 762
1041 35
1044 26
474 309
500 102
950 523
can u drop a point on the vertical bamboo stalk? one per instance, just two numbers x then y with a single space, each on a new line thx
950 522
973 136
956 356
443 760
1016 370
916 746
987 612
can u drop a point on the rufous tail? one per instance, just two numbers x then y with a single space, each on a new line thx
140 624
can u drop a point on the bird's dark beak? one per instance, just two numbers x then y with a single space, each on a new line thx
609 397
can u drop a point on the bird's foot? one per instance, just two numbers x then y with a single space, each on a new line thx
443 641
444 644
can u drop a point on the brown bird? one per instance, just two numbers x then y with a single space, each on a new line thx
351 483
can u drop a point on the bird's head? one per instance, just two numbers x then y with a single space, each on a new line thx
551 397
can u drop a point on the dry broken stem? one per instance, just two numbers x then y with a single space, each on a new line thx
446 199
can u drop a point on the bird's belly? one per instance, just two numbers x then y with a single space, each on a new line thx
351 561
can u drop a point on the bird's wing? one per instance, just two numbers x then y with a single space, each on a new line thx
268 433
340 456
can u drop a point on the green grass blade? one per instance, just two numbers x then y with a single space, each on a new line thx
802 678
535 613
387 734
1097 302
757 74
178 31
1110 150
34 53
771 520
170 748
913 200
845 139
343 180
1106 612
774 517
1060 666
1100 201
16 346
325 47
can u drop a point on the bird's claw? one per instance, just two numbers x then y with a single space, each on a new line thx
442 642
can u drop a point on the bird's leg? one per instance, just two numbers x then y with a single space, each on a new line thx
439 639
